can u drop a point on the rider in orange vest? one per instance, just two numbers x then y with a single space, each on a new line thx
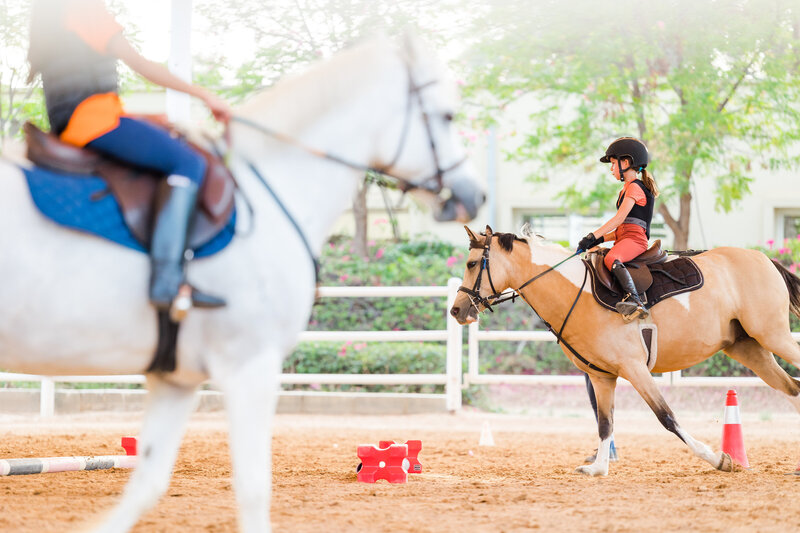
75 45
629 228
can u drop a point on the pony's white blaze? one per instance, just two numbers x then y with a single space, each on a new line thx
74 304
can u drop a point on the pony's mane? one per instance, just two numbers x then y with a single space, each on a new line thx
507 240
318 86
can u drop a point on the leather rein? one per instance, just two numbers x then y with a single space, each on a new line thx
498 297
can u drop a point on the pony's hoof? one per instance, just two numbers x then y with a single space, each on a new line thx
725 463
590 470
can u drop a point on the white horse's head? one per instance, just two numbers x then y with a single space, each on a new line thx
431 157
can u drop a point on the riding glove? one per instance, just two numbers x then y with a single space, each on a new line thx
588 242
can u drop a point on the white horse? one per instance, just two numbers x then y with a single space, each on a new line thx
76 304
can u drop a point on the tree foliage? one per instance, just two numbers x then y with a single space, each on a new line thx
285 35
19 101
710 86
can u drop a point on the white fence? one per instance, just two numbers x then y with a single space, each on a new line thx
453 379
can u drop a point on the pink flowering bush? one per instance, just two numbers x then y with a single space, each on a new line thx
786 251
368 358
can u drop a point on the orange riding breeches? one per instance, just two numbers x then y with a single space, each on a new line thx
631 242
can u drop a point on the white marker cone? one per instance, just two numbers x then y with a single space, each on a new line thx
486 435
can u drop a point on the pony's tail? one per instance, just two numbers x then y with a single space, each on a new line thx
793 284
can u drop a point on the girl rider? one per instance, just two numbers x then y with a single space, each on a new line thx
74 46
630 227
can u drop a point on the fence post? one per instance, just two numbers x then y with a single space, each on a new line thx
472 350
47 397
454 350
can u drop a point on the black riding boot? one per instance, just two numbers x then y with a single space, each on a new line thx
174 211
631 306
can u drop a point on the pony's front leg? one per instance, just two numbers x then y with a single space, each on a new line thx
251 393
604 389
168 408
643 382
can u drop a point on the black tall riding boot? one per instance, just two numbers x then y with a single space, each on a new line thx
631 306
175 207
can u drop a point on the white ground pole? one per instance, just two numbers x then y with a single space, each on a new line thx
180 59
43 465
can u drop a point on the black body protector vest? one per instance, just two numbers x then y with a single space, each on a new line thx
74 73
641 215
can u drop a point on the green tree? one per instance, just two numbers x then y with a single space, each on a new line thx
711 86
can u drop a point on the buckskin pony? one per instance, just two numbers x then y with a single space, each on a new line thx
742 308
77 304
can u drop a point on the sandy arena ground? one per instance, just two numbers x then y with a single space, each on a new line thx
526 482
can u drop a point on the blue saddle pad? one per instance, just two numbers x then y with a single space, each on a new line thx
83 203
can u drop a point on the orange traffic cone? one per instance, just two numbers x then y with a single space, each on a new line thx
732 441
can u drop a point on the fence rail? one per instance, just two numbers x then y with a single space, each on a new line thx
454 379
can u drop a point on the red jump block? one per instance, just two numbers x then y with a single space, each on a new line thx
383 463
129 444
414 447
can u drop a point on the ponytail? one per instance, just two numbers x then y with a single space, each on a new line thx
649 182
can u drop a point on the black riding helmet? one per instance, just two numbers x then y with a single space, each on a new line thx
628 147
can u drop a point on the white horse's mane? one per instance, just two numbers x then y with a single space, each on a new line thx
317 86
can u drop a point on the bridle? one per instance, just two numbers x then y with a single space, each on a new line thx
498 297
433 183
474 293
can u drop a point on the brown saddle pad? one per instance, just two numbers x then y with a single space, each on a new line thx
135 189
656 278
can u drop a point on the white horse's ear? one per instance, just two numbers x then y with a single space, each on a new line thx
526 231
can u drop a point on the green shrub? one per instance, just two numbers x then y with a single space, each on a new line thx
368 358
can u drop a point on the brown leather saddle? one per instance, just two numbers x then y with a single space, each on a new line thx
135 189
656 275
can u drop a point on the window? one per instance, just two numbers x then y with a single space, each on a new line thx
786 223
568 229
791 226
